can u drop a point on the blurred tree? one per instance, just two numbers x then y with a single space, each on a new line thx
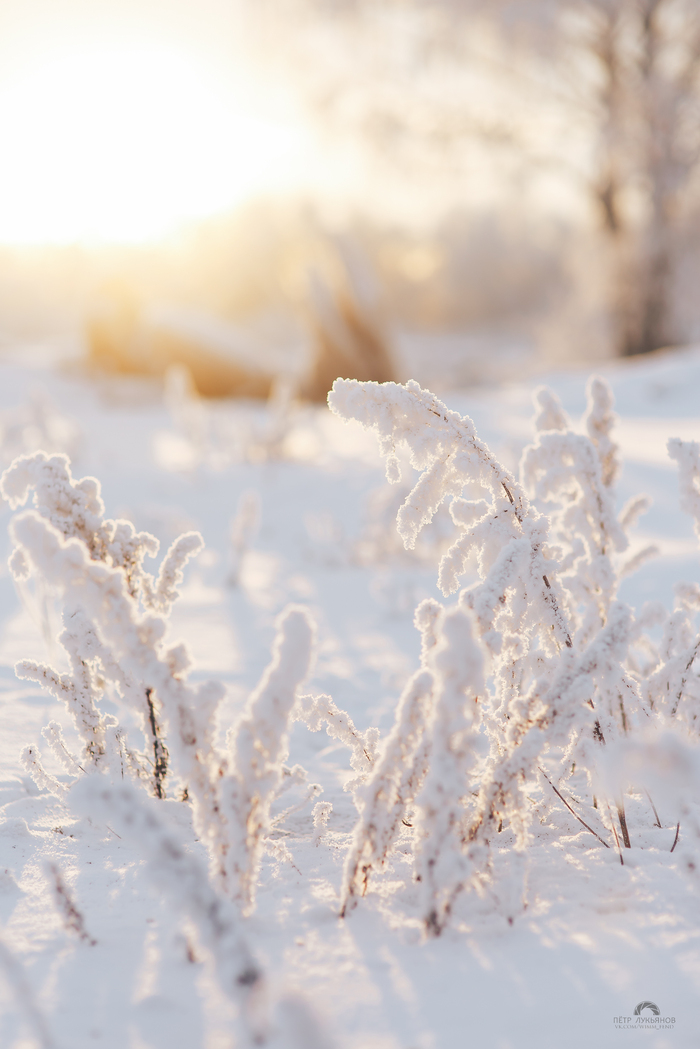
601 94
646 98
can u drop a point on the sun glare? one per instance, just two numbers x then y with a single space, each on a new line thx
124 145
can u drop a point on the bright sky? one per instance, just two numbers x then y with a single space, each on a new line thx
122 119
119 122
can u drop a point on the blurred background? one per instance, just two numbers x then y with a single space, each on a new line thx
270 193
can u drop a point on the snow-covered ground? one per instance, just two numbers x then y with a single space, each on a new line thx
596 939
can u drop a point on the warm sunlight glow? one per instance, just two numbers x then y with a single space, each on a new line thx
125 144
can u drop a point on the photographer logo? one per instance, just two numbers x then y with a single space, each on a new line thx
646 1017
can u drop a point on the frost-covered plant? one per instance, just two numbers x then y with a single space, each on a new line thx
187 410
563 470
211 435
37 423
114 636
72 918
217 923
179 876
537 667
573 476
518 607
237 788
398 772
115 633
319 712
14 974
441 864
75 511
384 797
243 529
673 686
379 542
216 920
432 758
666 760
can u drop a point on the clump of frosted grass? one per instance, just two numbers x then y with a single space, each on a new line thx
539 672
537 685
115 625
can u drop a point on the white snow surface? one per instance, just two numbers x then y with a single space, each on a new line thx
596 938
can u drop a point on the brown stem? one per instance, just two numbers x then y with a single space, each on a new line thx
557 614
622 713
675 840
658 821
614 830
160 752
684 679
623 822
561 796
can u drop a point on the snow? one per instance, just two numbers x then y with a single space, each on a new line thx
596 939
